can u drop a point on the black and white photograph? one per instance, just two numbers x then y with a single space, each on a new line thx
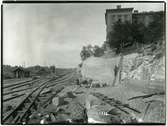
83 63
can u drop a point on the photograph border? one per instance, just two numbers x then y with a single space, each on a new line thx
75 2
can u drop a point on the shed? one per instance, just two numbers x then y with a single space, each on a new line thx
21 72
26 73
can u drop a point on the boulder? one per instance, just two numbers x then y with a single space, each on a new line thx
55 101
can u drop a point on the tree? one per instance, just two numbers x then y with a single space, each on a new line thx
139 32
97 51
156 28
89 49
84 53
120 35
129 33
8 72
104 46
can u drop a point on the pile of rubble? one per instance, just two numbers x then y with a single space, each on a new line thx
63 109
103 109
90 83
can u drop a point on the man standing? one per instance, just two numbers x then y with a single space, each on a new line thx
116 68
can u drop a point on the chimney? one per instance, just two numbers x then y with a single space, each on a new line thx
118 6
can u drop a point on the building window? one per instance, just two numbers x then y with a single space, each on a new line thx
119 16
119 20
126 17
113 17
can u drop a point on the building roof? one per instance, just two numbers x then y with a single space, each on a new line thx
149 13
20 69
119 10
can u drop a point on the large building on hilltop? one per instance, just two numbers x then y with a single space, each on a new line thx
126 14
144 17
118 14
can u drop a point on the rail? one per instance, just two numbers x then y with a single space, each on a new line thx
22 111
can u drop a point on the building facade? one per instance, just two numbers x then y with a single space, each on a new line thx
21 73
118 14
126 14
144 17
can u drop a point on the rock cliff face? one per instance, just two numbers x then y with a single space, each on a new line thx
134 66
100 69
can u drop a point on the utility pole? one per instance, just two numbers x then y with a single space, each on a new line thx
24 64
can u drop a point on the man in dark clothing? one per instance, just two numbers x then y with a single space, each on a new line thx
115 70
78 82
115 73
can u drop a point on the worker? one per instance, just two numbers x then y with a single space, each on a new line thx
115 74
115 70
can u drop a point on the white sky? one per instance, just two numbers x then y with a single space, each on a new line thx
53 34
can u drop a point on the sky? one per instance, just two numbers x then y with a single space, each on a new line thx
54 34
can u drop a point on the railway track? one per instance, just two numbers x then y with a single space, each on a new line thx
10 92
62 81
15 80
18 84
13 87
20 114
116 103
27 82
26 86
